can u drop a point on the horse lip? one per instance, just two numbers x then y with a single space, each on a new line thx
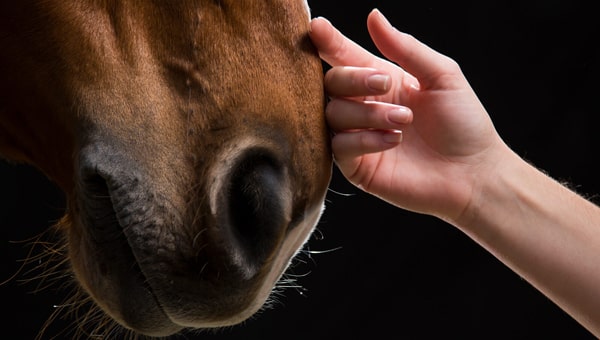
98 209
104 220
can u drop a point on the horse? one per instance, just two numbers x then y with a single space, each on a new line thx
188 137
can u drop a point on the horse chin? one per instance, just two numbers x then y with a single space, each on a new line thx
116 284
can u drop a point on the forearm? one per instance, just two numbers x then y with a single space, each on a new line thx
544 232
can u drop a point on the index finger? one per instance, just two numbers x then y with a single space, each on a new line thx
336 49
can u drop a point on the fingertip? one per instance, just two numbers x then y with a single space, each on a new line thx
335 48
379 83
322 20
319 26
415 57
400 115
381 19
353 81
393 137
321 33
377 15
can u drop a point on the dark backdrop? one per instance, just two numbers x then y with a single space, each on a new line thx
391 273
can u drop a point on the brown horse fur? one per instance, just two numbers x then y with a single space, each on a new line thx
188 137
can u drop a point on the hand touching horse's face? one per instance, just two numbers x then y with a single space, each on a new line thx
188 137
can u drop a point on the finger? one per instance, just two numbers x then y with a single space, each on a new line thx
349 81
427 65
349 145
335 48
344 115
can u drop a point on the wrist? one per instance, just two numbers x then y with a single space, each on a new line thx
494 183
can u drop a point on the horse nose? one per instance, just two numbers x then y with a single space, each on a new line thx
254 209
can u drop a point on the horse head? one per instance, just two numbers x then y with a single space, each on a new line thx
188 137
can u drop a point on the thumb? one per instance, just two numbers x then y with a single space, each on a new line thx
428 66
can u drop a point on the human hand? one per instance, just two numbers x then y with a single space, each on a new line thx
447 141
452 164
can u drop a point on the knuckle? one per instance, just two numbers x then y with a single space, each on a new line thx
365 141
374 118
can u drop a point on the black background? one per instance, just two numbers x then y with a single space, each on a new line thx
394 274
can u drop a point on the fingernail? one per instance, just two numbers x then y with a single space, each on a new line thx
393 137
385 20
322 18
400 115
379 82
383 17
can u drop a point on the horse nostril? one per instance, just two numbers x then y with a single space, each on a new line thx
257 208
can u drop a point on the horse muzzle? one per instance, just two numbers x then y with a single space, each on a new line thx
208 256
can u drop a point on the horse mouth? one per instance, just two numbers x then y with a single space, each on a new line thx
156 271
104 225
124 289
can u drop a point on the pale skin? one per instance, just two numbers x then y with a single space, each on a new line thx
414 134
